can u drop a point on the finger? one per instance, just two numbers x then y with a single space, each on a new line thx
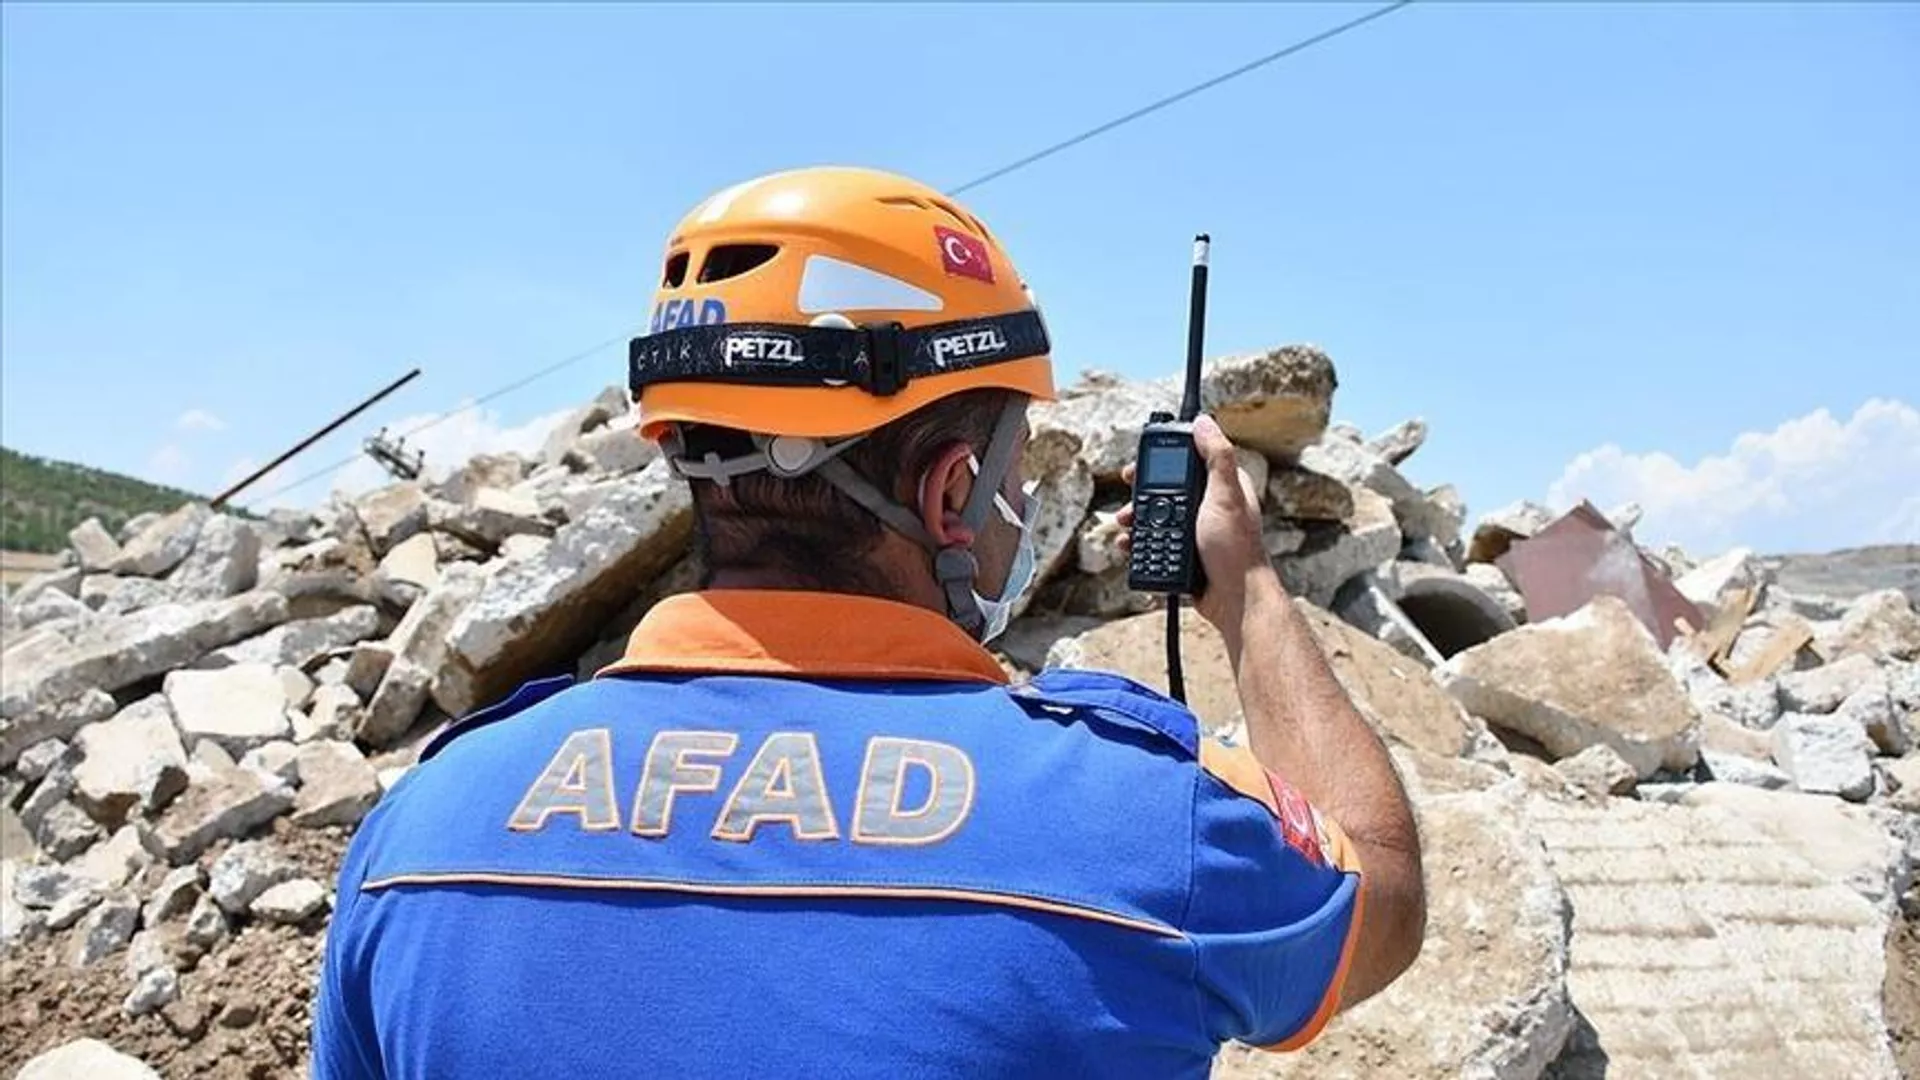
1215 448
1127 473
1125 515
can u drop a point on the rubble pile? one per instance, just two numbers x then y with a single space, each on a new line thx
1671 810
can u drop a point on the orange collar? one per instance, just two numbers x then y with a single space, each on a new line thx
816 634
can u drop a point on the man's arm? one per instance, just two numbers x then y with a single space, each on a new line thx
1301 724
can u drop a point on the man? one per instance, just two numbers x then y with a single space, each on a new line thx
805 827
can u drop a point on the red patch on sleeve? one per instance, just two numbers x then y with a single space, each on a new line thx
1299 822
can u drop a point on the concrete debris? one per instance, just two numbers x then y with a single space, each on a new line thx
1360 468
106 929
337 786
59 721
1492 581
1297 494
1332 555
41 758
298 684
293 901
155 989
482 471
1398 443
110 594
301 643
246 870
1497 531
1106 415
391 515
1595 676
206 923
1879 624
1873 709
1735 769
490 517
535 612
1713 582
1825 754
418 647
121 759
42 887
174 896
276 760
50 606
368 664
88 1058
1822 689
613 451
225 561
413 561
1065 490
161 546
66 579
238 707
1276 402
334 714
119 860
1598 771
230 803
65 831
94 547
1098 548
73 905
1903 779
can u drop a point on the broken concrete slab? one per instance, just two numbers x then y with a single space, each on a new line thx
1827 755
238 707
612 451
390 515
1879 624
291 902
490 517
302 642
174 896
160 546
229 803
50 606
225 561
276 760
1487 997
1297 494
246 870
334 714
337 786
1064 486
1702 946
1872 707
413 562
154 990
1595 676
1106 416
106 929
116 756
1497 531
1398 443
111 594
1713 583
1331 555
542 610
39 677
1598 771
1492 581
89 1058
65 830
483 471
95 547
419 647
1738 769
1822 689
1276 402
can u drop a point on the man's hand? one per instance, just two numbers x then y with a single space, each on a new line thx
1226 530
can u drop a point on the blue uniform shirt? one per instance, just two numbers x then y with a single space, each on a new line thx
800 835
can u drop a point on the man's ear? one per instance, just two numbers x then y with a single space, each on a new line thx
943 496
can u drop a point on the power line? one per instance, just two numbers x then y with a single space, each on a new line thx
1065 144
1298 46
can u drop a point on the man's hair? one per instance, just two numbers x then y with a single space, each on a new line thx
810 532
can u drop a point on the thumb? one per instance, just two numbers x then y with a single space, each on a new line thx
1215 449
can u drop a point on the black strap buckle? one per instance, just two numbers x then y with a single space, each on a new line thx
886 371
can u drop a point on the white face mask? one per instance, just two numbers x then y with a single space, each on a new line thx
999 612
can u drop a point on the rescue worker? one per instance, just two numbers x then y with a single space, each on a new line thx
806 827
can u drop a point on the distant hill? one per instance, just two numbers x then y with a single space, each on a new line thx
1848 573
41 500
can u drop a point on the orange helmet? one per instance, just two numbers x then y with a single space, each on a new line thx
827 302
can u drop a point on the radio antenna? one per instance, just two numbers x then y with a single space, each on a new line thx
1189 408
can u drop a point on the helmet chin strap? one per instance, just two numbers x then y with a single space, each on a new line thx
954 566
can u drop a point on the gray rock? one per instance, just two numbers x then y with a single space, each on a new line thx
1822 689
482 471
331 673
42 887
51 605
1492 581
161 546
175 895
229 803
610 403
206 924
85 1059
1715 581
1827 755
290 526
275 759
136 525
155 990
47 794
1276 402
1498 530
412 562
225 561
614 451
106 929
337 786
118 756
302 642
66 831
368 664
40 758
419 649
1595 676
73 905
291 901
1333 555
397 704
1880 624
246 870
1064 485
1399 442
1098 547
66 579
523 546
547 609
1106 415
149 951
490 517
298 684
118 861
110 594
1872 707
392 514
1599 771
1735 769
238 707
1296 494
40 679
334 714
95 547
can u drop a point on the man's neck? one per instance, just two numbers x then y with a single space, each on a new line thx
927 597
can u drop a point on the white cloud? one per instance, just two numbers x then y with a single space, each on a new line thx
447 446
1814 483
199 420
168 465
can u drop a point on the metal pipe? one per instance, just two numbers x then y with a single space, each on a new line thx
220 499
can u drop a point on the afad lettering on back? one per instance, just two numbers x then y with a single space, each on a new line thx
678 314
782 786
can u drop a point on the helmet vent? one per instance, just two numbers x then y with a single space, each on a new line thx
903 201
731 260
676 271
954 213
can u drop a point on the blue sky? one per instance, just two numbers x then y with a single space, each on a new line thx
1669 253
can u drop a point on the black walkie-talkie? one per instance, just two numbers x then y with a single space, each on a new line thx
1170 479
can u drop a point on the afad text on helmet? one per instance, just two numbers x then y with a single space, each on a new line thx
675 314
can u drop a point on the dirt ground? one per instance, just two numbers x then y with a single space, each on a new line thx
242 1013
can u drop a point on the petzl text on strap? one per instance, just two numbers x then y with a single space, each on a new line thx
879 359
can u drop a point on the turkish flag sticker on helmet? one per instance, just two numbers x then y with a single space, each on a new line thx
963 255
